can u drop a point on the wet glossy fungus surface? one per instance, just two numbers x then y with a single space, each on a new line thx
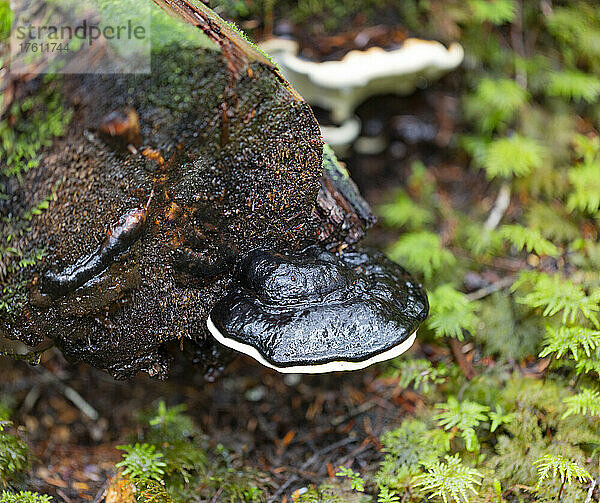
313 307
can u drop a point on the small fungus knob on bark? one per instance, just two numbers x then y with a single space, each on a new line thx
121 128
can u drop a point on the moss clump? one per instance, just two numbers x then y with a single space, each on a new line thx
15 458
29 125
24 497
331 493
10 298
14 261
183 465
515 425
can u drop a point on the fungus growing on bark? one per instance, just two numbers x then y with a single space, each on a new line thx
121 128
118 239
313 311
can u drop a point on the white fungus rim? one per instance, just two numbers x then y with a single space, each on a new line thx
335 366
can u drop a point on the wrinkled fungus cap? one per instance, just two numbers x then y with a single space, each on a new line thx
314 312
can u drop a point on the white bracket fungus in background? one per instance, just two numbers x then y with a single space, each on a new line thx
340 86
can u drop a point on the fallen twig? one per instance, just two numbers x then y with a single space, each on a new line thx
64 496
102 491
590 492
336 421
354 453
71 394
215 498
464 365
491 288
500 206
315 457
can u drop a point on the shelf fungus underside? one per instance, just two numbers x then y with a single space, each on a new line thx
162 187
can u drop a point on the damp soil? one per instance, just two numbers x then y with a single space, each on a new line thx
294 430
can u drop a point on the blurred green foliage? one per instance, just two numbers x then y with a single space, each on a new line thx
530 119
174 461
29 125
15 462
6 16
23 497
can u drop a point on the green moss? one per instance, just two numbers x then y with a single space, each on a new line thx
11 298
6 407
184 465
149 490
325 492
517 125
406 448
30 125
31 357
15 261
525 420
167 30
507 329
538 429
23 497
6 17
178 72
15 459
13 264
332 492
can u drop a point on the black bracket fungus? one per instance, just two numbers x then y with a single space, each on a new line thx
313 311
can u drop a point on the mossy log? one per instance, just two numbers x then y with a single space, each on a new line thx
118 243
